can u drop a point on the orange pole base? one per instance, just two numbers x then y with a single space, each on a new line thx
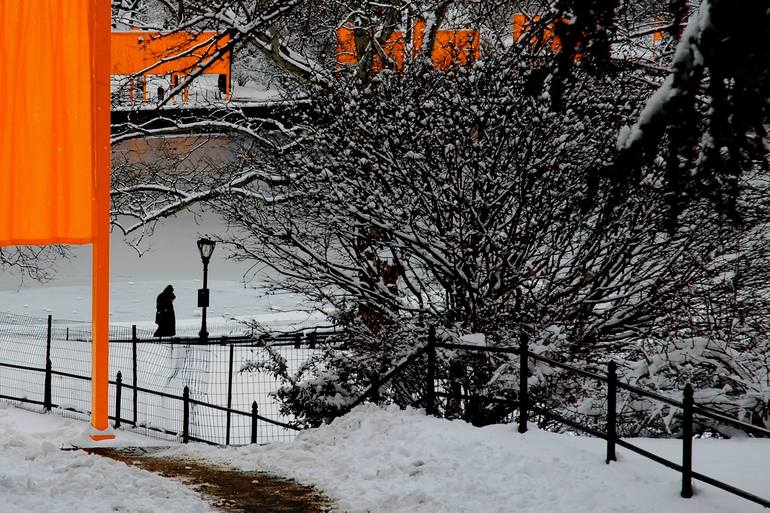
101 438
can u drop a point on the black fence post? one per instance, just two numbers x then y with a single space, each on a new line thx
229 395
312 339
430 375
118 394
48 367
254 419
186 415
297 340
612 384
523 375
66 333
687 442
376 397
133 371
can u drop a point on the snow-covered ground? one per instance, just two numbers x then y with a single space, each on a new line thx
133 302
385 461
203 92
371 460
391 461
37 477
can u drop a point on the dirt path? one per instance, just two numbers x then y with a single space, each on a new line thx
228 490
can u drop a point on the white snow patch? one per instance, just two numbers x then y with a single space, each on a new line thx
393 461
474 339
36 476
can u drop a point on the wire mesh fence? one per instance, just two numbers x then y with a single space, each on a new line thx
222 384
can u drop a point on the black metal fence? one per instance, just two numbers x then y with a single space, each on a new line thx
167 388
180 389
524 405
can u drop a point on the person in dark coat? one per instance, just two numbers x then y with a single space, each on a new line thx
164 313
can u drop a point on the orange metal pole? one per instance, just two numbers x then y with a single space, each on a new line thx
100 42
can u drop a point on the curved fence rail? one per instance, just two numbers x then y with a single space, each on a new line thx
688 407
524 405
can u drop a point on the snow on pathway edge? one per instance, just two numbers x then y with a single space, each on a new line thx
391 461
36 476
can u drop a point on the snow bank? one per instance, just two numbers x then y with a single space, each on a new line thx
36 476
391 461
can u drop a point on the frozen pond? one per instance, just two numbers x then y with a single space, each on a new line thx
170 256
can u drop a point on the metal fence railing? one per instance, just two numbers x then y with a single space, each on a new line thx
524 405
180 389
47 363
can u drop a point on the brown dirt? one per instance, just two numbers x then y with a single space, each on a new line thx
228 490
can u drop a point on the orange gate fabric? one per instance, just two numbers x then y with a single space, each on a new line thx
184 52
451 47
46 127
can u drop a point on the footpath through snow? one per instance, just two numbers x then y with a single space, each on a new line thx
388 461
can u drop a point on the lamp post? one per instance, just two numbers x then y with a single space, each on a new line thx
205 248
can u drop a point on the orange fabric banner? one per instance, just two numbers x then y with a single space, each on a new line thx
47 158
451 47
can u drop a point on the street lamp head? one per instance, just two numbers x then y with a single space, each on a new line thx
206 248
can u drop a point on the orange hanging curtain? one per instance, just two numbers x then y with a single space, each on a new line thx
451 47
46 94
54 144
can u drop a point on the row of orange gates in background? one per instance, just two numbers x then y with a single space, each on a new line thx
181 54
141 54
453 47
177 55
